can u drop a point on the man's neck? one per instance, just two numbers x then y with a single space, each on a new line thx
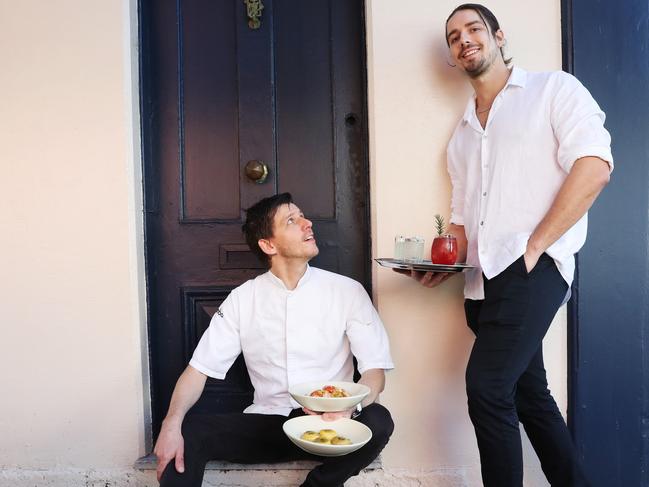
490 84
289 271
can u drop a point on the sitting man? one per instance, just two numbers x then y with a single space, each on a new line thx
293 324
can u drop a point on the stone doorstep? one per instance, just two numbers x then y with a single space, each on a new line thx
149 462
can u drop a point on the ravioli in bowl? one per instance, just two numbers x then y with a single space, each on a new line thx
328 396
327 438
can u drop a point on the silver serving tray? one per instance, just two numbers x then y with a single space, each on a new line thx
424 265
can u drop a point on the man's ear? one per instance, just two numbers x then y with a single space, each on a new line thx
266 246
500 38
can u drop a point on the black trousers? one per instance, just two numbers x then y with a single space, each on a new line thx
259 438
506 380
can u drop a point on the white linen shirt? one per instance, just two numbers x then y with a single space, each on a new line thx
293 336
505 177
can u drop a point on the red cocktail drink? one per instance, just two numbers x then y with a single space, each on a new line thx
444 250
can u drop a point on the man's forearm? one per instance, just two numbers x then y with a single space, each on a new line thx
375 380
188 389
586 180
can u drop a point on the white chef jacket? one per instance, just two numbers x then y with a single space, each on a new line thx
292 336
506 176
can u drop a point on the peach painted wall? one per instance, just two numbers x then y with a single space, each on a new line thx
74 392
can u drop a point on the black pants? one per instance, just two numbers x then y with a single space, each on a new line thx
259 438
506 381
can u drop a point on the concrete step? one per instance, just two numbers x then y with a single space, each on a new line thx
226 474
149 462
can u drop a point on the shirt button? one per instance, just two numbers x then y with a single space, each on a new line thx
482 223
484 194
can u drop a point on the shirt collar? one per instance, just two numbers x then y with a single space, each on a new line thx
279 283
518 77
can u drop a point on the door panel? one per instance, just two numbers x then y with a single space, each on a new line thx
304 104
209 101
217 94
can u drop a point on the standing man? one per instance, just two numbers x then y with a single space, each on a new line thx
526 162
293 324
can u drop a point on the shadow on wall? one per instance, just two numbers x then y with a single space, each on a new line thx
443 74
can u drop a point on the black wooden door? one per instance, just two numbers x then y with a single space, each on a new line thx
218 93
606 45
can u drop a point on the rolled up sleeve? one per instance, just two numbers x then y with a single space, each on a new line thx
578 124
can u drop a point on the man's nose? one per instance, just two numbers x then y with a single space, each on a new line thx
306 223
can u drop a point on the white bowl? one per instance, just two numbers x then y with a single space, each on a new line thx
300 392
358 433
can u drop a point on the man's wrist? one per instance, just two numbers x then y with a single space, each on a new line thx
356 412
533 250
172 422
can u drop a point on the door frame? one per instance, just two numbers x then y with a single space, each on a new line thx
148 123
608 315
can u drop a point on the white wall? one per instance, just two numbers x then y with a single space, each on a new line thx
72 331
415 100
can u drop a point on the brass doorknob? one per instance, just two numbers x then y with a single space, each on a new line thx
256 171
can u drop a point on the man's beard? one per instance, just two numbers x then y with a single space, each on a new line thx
483 66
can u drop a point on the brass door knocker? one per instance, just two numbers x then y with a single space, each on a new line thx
253 9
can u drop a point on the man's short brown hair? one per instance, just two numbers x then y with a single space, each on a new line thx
259 222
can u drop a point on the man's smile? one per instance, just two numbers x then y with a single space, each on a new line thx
468 52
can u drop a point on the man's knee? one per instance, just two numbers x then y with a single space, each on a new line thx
483 392
377 418
532 404
194 430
